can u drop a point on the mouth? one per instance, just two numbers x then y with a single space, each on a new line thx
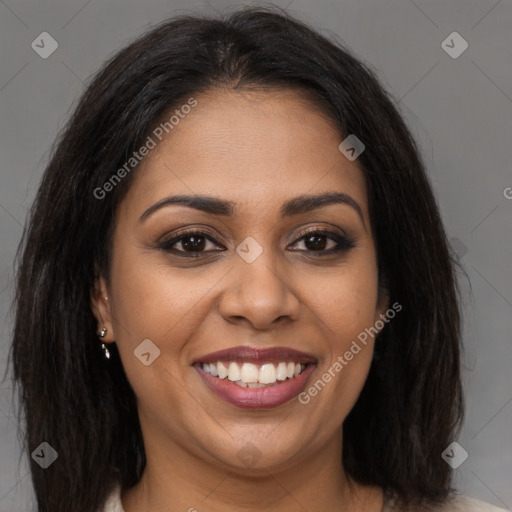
256 378
249 375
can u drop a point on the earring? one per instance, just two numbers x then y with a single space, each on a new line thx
102 334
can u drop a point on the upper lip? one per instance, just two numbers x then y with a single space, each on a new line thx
245 354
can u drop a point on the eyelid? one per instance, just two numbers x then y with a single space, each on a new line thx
344 242
320 229
164 242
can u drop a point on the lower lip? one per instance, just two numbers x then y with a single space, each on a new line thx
256 398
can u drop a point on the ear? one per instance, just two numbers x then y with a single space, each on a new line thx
100 305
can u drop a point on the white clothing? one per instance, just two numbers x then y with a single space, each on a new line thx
459 504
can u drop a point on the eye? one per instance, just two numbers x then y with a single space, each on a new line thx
193 243
318 241
190 243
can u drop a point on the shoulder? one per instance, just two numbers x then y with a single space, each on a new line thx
456 503
113 503
465 504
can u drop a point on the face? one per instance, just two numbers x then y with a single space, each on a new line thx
266 277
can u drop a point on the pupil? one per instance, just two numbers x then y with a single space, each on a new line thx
197 243
193 242
314 241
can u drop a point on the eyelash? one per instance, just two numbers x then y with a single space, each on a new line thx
344 243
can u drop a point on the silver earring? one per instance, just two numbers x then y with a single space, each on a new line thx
105 351
102 334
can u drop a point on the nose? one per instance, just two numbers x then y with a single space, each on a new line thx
259 294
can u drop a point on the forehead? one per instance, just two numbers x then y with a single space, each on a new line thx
254 148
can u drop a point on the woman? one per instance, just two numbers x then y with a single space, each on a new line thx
235 290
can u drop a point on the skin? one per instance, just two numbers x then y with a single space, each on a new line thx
257 149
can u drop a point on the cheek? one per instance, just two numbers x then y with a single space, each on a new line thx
345 308
346 304
153 302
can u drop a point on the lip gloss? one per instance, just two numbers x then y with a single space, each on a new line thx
256 398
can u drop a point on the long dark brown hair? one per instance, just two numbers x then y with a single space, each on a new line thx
83 405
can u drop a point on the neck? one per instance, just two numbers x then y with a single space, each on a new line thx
176 479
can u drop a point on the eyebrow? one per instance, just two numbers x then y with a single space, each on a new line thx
300 204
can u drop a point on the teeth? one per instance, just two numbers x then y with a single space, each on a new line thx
222 371
290 370
234 372
249 375
267 374
255 385
281 371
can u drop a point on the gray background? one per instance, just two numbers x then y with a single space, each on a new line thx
460 110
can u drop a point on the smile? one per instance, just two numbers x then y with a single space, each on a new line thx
256 378
249 375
